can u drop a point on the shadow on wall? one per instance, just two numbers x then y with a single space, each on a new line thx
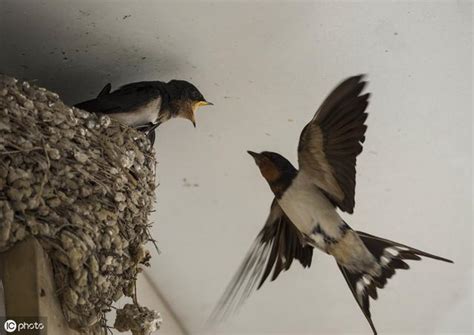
75 48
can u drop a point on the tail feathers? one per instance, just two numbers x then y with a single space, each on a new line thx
377 246
390 256
362 300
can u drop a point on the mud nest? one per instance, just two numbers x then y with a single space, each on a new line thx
84 186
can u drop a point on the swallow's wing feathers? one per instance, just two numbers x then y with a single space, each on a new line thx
125 99
274 249
106 90
331 141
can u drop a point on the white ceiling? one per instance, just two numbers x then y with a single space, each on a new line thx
266 66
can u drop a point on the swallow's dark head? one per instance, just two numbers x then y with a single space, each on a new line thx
275 168
185 99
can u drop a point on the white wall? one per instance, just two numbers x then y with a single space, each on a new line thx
267 66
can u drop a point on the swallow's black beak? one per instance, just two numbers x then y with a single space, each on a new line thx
255 155
209 103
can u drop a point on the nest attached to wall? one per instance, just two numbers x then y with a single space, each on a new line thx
84 186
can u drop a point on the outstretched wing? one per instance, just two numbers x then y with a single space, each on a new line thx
331 141
274 249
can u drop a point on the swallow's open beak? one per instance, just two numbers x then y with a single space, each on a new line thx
193 120
203 103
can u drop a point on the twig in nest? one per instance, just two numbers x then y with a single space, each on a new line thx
152 240
46 172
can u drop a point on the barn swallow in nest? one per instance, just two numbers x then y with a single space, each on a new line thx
304 216
147 104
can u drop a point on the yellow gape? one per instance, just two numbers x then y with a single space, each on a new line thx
198 104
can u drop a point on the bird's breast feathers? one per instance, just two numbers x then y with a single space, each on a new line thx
311 212
314 216
141 115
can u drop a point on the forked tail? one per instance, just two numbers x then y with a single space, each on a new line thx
390 255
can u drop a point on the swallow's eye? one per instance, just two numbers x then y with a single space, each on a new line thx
194 96
200 97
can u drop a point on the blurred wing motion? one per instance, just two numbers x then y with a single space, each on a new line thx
277 244
331 141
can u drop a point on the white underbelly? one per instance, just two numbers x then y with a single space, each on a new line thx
307 207
141 116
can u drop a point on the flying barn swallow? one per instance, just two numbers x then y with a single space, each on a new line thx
304 216
147 104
